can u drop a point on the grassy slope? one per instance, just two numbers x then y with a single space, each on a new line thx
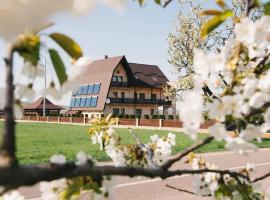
37 142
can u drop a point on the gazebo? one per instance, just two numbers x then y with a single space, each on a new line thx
36 108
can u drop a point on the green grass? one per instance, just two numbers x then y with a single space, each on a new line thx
37 142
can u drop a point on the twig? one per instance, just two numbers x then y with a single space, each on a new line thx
178 157
261 177
8 147
167 3
149 151
186 191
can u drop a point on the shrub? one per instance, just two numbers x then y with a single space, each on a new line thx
114 115
154 116
177 117
120 116
161 116
102 115
170 117
138 116
125 116
132 116
146 116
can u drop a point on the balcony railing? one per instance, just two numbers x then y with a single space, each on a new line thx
140 101
119 84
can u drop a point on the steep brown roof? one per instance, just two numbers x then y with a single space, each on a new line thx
147 75
101 71
38 105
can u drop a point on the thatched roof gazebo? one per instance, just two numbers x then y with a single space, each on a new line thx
36 108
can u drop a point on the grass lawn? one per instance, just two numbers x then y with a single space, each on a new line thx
36 142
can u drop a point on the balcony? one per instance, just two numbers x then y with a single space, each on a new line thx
119 84
139 101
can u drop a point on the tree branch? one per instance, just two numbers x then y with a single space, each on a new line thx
8 147
186 191
178 157
261 177
32 174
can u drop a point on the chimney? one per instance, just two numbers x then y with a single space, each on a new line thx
106 56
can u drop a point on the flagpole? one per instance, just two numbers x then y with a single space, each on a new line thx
44 98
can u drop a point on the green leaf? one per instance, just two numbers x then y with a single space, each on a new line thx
214 22
68 44
58 65
211 12
267 8
158 2
141 2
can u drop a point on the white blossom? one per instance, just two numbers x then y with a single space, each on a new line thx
51 190
218 131
251 132
58 159
258 99
239 145
117 155
81 158
15 195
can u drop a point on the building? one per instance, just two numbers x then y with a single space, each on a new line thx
112 85
36 108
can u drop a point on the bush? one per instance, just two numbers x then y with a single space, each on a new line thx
177 117
120 116
146 116
125 116
170 117
102 115
161 116
114 115
154 116
138 116
132 116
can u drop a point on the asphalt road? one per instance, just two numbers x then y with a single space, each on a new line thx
140 188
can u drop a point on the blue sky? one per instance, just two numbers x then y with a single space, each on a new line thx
138 33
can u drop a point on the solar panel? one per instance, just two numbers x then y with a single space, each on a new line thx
90 89
80 91
85 89
82 102
72 103
77 102
94 101
88 102
96 88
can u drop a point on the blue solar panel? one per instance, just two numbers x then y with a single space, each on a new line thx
77 102
80 91
72 103
90 89
82 103
96 88
94 102
85 89
88 102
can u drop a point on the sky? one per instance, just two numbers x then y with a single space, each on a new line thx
138 33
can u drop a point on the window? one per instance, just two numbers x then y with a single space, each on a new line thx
85 89
115 111
138 111
90 89
152 111
141 96
80 91
153 96
120 79
114 78
88 102
122 95
96 88
82 102
72 103
94 101
77 102
115 94
122 111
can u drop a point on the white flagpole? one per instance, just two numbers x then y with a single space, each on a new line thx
44 99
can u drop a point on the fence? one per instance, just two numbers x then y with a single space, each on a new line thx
173 123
